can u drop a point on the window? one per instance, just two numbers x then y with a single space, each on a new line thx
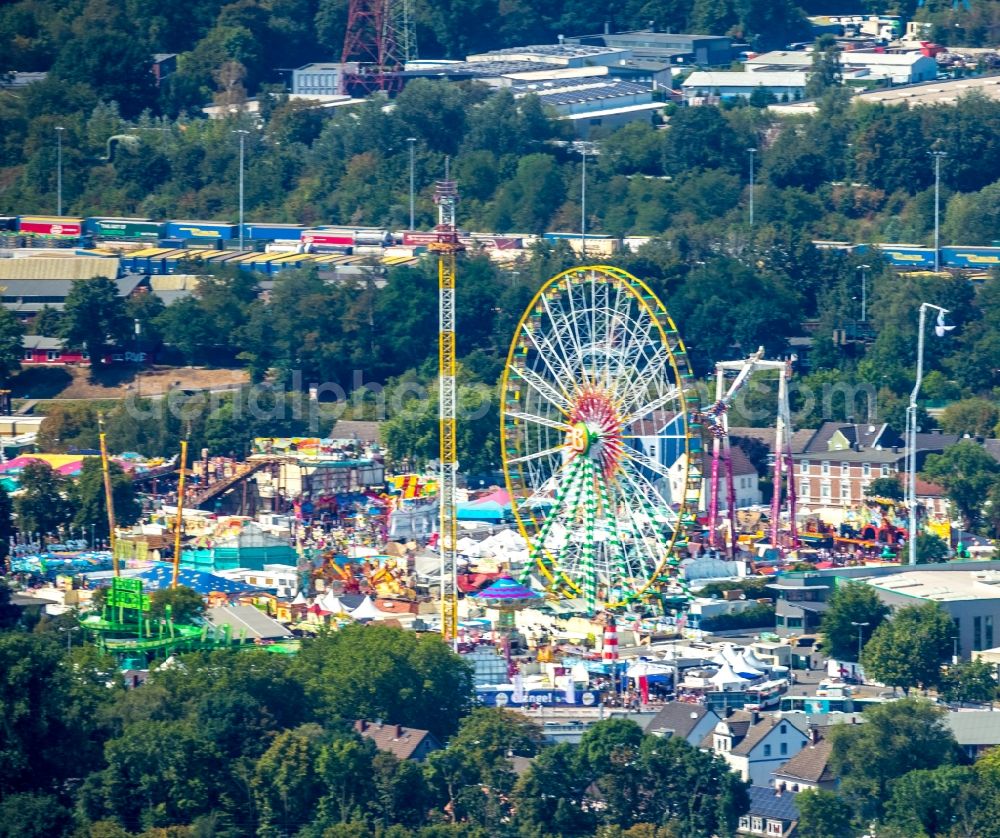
744 822
794 622
784 749
845 489
845 469
52 355
774 828
804 488
804 467
825 489
826 468
767 750
977 633
989 631
885 470
28 355
757 824
866 469
784 729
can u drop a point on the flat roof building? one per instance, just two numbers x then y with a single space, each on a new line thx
706 87
673 48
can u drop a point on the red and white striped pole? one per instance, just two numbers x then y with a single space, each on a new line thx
609 650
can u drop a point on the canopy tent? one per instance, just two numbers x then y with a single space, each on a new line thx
506 593
366 610
161 576
726 677
647 669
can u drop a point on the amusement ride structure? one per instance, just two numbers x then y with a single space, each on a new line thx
717 418
447 246
595 399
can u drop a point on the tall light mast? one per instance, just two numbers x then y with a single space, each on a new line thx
447 246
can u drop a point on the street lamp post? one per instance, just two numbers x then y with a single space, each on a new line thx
411 141
937 155
911 428
752 151
138 355
583 202
859 627
243 133
864 292
59 130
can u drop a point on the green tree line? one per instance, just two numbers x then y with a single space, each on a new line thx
246 743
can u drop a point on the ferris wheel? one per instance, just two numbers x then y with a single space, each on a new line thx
601 450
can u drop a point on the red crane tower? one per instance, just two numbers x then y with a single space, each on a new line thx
380 39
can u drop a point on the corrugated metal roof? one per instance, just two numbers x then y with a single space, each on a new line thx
54 268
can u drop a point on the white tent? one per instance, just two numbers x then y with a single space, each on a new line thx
366 610
745 669
331 602
726 677
751 660
728 654
300 599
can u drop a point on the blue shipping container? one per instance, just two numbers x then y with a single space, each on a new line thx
270 232
202 230
970 257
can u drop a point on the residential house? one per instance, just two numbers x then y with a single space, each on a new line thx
754 745
976 731
690 722
809 768
746 480
404 742
841 459
773 814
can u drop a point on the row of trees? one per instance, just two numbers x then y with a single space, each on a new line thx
240 743
902 774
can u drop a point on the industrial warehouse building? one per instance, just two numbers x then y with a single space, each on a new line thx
707 87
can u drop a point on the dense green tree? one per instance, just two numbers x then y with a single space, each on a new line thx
30 815
825 72
90 498
94 317
551 796
972 417
967 472
907 651
925 801
885 487
897 737
52 729
43 504
970 681
377 672
180 604
850 603
11 346
823 814
931 549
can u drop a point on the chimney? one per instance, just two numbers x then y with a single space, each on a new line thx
754 717
399 731
361 725
814 735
